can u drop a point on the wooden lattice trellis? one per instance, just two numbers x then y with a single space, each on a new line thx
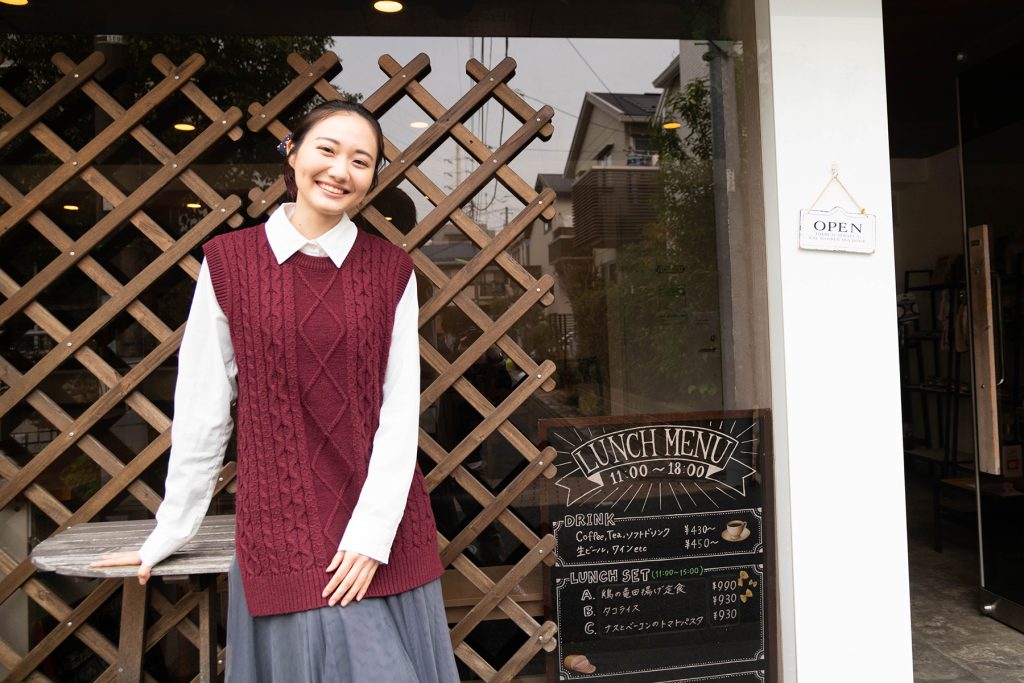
21 481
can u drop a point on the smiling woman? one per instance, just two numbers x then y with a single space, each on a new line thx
356 569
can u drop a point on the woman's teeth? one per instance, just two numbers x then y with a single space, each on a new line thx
332 190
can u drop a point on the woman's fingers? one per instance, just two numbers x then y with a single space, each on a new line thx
366 584
338 556
357 585
145 571
346 583
351 579
340 573
126 558
120 559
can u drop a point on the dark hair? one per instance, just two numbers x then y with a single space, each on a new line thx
318 114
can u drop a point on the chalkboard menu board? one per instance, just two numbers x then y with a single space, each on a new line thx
662 528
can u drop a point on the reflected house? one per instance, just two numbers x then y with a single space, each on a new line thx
640 271
615 184
540 247
614 171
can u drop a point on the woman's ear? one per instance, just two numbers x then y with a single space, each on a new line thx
289 147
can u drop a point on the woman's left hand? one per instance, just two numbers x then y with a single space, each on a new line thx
352 575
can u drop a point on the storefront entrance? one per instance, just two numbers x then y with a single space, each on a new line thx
956 145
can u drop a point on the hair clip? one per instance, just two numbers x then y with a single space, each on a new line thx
282 147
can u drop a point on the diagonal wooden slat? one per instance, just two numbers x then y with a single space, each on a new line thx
463 222
327 63
88 265
480 318
485 256
85 156
465 138
97 181
511 100
88 418
474 661
115 304
196 96
112 220
45 102
480 345
489 424
473 396
431 137
89 444
540 637
482 174
483 583
502 588
152 144
463 300
45 647
36 494
502 501
59 610
471 485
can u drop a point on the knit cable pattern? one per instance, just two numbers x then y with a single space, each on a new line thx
311 344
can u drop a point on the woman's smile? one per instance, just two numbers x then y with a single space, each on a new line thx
334 166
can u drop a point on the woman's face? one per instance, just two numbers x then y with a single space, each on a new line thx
334 164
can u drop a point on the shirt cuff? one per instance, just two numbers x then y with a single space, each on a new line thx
365 540
158 547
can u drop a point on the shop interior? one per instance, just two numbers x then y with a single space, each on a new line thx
956 134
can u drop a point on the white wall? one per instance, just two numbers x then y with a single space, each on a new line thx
845 605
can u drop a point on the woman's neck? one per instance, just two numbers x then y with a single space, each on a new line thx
311 224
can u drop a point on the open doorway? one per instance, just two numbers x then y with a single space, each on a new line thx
956 143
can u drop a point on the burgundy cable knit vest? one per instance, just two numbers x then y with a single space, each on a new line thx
311 343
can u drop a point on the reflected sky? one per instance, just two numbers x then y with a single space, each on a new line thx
550 71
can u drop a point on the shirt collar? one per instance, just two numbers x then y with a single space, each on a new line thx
285 240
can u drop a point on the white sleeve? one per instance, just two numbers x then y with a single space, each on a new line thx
382 500
205 388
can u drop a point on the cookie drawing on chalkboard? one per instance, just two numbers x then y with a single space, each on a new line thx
579 663
736 530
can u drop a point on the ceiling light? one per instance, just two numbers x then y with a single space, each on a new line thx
70 207
388 6
193 205
19 3
671 125
187 127
419 124
387 218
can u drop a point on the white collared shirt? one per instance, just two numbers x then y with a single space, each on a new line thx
207 386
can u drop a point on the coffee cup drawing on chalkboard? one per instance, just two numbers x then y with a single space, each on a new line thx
735 530
579 663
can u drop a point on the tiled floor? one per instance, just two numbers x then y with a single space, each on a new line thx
952 641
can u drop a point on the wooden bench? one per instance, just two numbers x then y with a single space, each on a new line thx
208 554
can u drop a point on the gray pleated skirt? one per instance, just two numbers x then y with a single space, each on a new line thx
399 638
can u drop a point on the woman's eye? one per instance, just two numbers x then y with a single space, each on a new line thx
361 163
325 148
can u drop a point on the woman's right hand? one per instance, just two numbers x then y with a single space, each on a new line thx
123 559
